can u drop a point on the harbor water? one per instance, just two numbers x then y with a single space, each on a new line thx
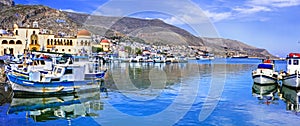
218 92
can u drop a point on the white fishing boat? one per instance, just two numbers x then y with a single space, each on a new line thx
182 59
65 78
92 65
292 76
205 57
265 73
137 59
171 59
159 59
36 64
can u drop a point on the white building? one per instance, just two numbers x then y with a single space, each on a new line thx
33 38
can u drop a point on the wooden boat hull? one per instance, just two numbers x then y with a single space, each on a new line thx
94 75
21 85
264 79
292 80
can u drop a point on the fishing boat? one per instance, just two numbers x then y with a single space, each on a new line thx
159 59
92 66
35 64
205 56
265 73
65 78
292 76
182 59
171 59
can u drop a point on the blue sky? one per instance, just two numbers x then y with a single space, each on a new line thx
270 24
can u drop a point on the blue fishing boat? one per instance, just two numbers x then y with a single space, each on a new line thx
65 78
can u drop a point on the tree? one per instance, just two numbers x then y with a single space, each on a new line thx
127 49
138 52
97 49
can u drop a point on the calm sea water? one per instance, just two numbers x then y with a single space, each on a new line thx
219 92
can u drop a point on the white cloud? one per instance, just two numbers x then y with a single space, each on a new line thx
252 9
71 10
276 3
172 20
215 17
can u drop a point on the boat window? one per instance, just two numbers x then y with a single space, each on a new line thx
35 63
55 79
59 70
42 62
296 62
69 71
290 62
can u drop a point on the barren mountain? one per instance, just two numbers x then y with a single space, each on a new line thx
150 31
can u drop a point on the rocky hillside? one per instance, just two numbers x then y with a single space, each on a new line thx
48 18
222 46
150 31
5 4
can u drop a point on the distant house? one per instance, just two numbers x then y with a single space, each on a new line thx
146 52
105 45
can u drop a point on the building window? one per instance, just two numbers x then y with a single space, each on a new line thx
4 42
11 42
71 43
19 42
48 50
63 50
17 32
69 50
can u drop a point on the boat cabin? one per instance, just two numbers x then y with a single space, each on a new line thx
293 63
60 73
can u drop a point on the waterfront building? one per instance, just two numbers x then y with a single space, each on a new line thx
18 39
105 45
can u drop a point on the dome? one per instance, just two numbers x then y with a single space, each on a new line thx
104 41
83 33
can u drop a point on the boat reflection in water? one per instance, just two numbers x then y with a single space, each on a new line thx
6 93
265 93
291 97
42 109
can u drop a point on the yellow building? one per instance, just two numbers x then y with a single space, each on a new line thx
33 38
